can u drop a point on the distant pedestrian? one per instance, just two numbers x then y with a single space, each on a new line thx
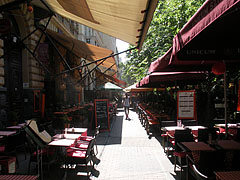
126 105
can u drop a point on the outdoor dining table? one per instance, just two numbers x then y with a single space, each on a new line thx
7 133
14 127
18 177
228 144
75 130
66 136
227 175
230 125
196 146
62 142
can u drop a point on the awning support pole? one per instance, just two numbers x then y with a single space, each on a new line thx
62 58
78 67
84 77
225 105
102 74
45 27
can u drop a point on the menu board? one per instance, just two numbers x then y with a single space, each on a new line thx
101 114
186 104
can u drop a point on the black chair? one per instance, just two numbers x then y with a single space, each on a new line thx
48 154
78 156
202 168
180 155
203 135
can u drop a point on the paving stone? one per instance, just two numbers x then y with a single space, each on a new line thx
128 154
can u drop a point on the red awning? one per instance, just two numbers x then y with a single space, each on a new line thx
210 36
158 79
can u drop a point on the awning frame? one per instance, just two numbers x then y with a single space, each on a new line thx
43 29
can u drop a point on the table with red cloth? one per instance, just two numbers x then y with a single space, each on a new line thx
7 133
233 129
227 175
18 177
76 130
169 132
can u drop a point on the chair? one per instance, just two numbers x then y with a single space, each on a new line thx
14 143
204 167
84 137
180 155
203 135
49 155
77 156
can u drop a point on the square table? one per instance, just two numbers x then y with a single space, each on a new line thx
75 130
172 128
228 144
7 133
226 175
197 146
66 136
14 127
62 142
18 177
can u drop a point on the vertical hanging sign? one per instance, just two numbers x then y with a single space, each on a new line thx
186 104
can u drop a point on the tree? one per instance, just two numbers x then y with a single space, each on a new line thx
169 17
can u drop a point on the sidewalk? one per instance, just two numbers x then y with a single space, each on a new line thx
126 153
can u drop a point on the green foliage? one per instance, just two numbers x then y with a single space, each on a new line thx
170 16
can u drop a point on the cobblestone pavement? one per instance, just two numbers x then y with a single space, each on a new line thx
126 153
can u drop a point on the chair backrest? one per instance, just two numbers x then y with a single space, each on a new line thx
213 131
207 163
182 136
203 135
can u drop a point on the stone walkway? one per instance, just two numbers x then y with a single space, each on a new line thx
126 153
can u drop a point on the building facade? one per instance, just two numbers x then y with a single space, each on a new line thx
23 80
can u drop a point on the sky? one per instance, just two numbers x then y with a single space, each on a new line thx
122 46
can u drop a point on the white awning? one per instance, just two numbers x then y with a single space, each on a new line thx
127 20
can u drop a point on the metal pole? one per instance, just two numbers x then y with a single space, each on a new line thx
225 105
78 67
63 59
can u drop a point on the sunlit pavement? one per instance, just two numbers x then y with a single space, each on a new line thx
126 153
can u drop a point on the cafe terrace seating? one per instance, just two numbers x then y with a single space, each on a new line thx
208 158
151 120
84 137
76 156
184 135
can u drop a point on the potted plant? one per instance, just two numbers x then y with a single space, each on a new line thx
66 120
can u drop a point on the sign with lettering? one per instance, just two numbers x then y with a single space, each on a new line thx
101 114
186 104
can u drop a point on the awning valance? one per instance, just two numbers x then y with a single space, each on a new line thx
210 36
133 88
160 79
123 19
85 50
